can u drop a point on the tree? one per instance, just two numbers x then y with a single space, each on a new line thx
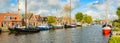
50 19
87 19
79 16
97 20
118 12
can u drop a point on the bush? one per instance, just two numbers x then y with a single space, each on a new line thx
116 29
4 29
114 39
116 24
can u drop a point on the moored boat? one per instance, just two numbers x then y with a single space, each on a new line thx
43 27
106 29
78 24
69 26
17 28
58 26
84 25
26 29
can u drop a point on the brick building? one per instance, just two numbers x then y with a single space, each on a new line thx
9 19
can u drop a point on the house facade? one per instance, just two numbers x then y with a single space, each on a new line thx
35 20
9 19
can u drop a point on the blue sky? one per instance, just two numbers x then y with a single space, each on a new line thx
94 8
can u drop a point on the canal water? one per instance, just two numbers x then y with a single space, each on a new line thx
86 34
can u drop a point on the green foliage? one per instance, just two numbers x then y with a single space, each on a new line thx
79 16
116 24
118 12
50 19
97 20
114 39
88 19
83 18
4 29
116 29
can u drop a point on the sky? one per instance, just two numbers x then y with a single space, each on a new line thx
94 8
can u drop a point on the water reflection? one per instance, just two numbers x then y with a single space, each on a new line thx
89 34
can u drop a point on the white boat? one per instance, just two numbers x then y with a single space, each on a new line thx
84 25
43 27
58 26
78 24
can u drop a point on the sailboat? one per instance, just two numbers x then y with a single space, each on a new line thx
58 25
69 25
106 27
18 28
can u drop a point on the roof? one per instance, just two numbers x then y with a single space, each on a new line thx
2 16
8 14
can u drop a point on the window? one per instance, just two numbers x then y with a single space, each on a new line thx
10 18
7 17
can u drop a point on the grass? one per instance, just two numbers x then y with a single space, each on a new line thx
114 39
4 29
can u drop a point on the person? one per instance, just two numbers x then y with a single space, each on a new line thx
0 30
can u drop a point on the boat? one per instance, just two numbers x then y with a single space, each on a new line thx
13 27
69 26
43 27
24 29
17 28
27 27
78 25
106 29
84 25
58 26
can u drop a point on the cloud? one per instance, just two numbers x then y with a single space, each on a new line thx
97 9
55 7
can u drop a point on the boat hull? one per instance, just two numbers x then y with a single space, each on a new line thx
42 28
79 25
69 26
24 29
58 27
106 31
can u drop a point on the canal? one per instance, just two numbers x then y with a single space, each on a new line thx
86 34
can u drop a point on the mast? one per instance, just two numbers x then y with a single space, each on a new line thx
18 7
25 6
70 12
106 17
26 13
